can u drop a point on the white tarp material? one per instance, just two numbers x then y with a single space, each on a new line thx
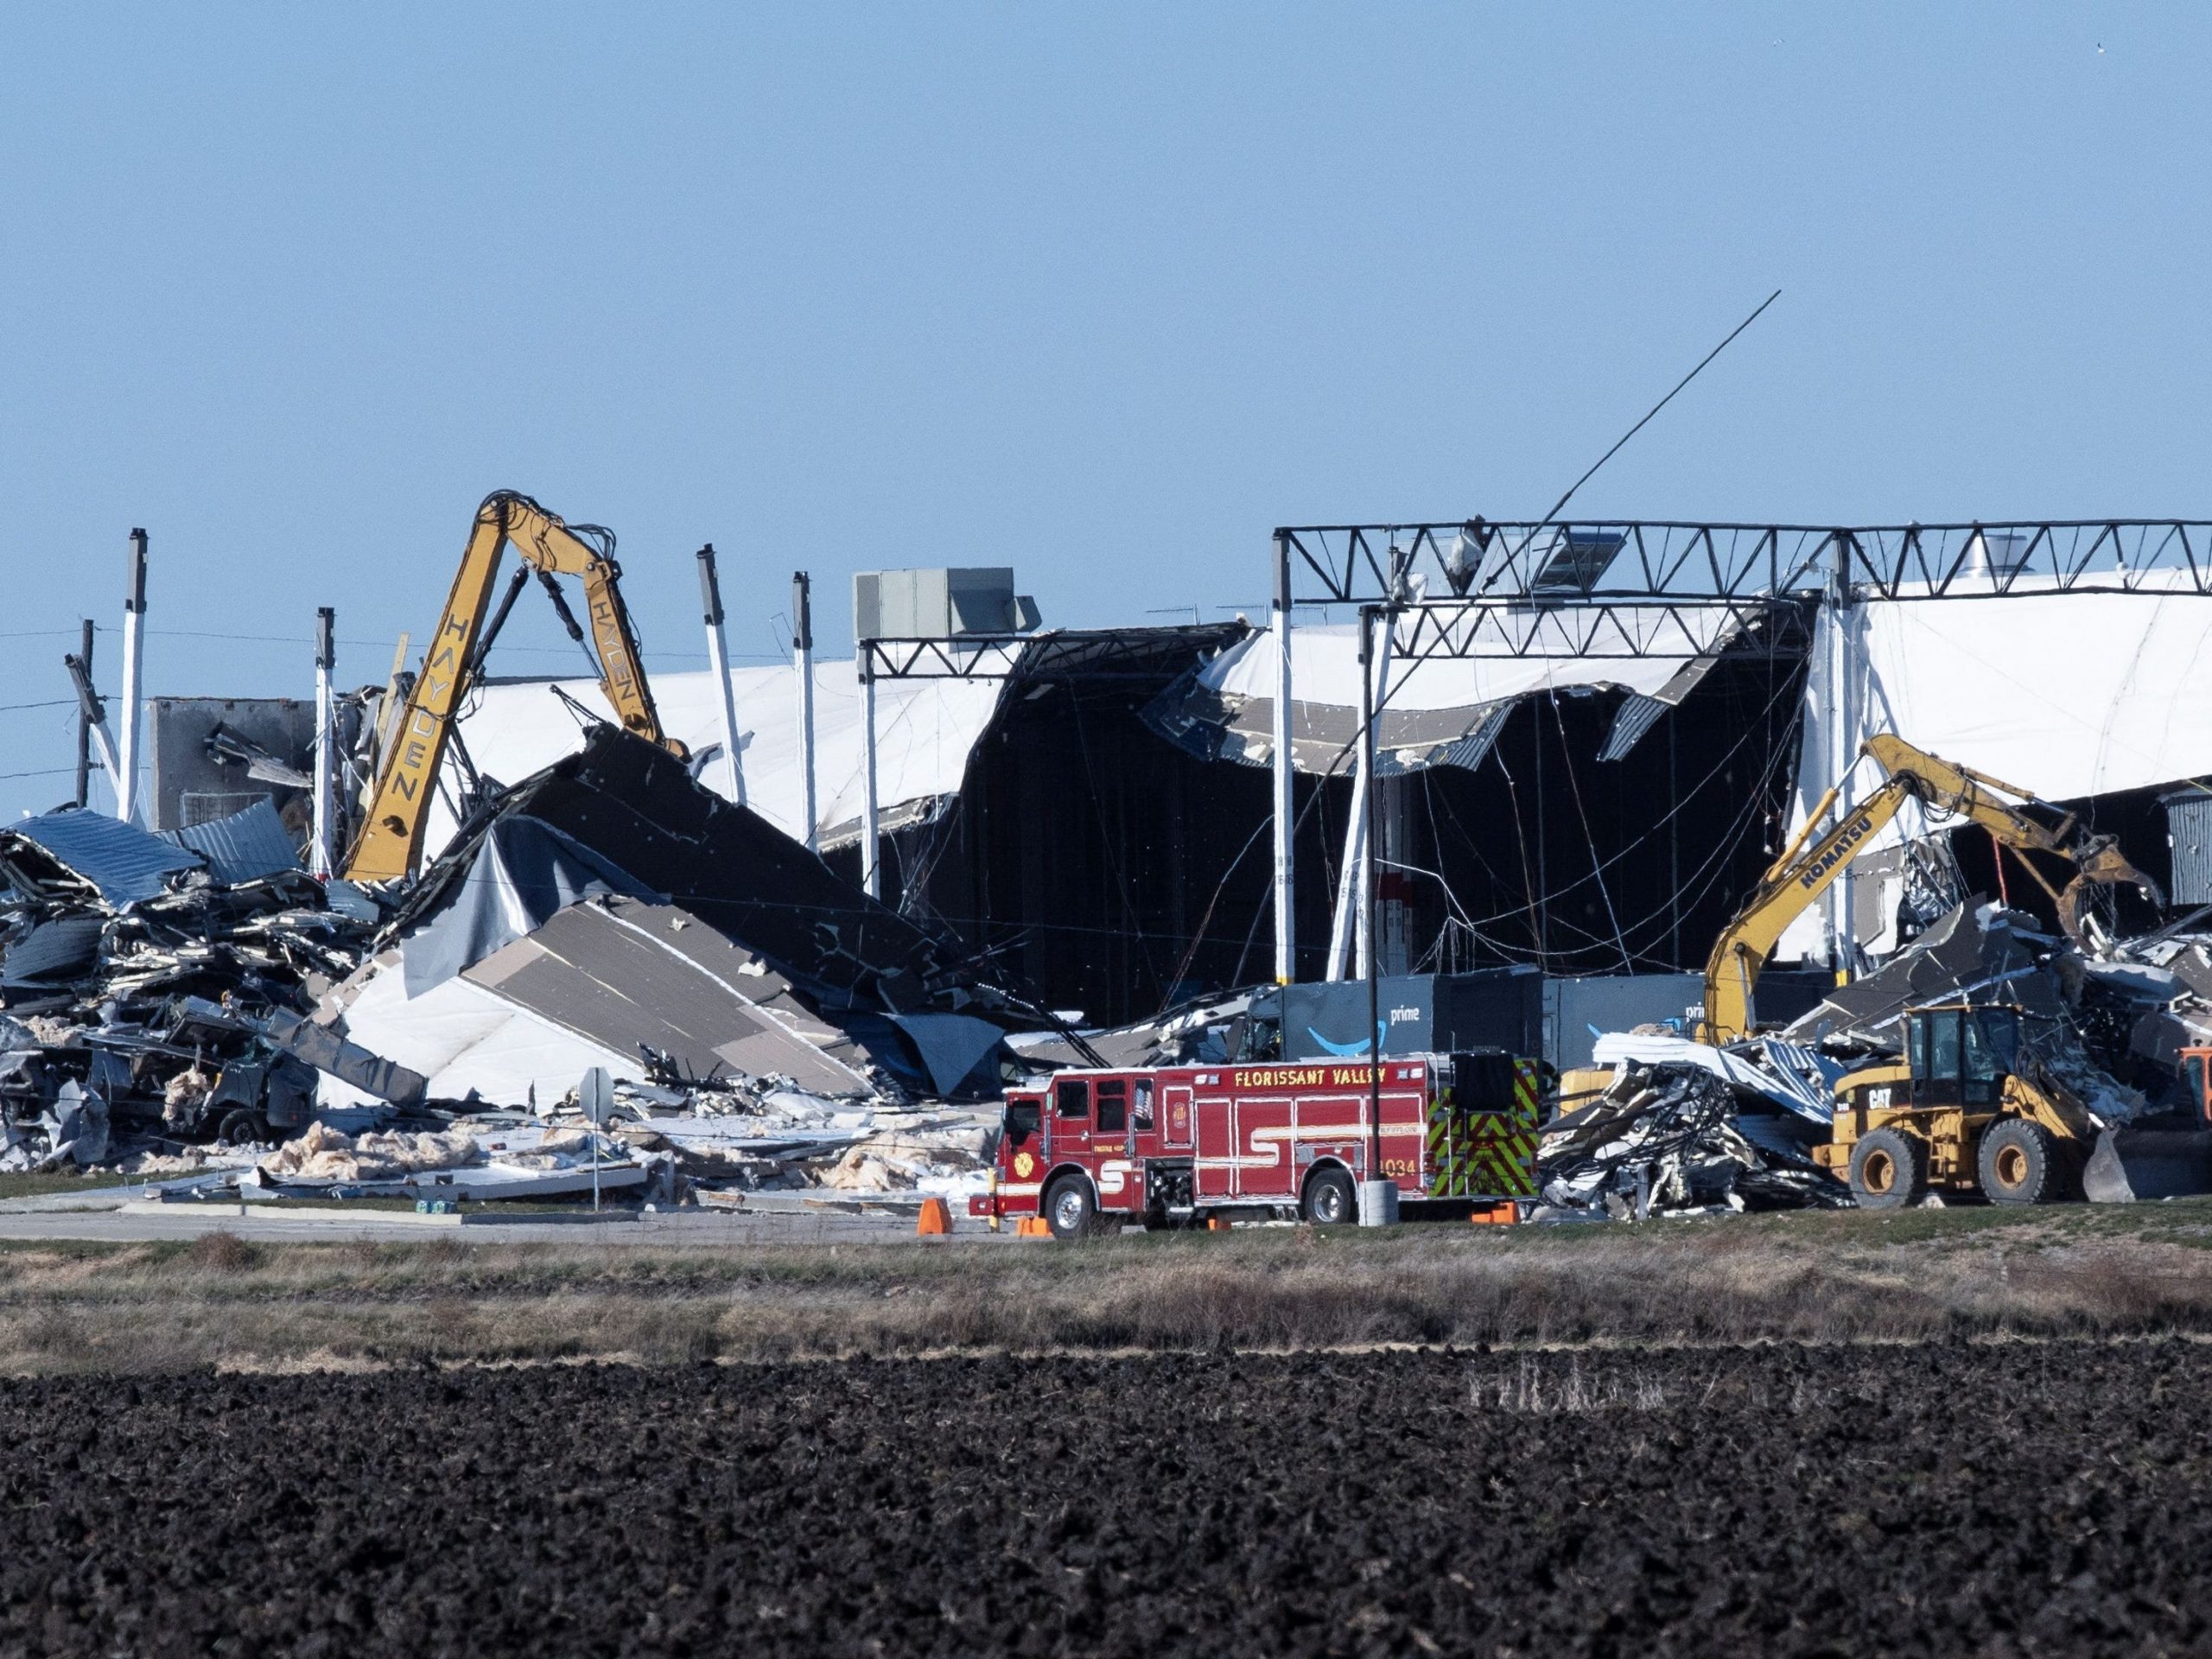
2066 695
925 729
1430 706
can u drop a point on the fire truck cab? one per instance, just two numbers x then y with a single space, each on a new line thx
1169 1145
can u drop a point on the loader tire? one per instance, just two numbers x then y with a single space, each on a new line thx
1889 1170
2019 1163
1070 1210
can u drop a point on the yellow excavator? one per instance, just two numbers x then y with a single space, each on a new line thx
1802 873
390 842
1969 1106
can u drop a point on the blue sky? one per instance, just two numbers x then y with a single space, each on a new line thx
1101 292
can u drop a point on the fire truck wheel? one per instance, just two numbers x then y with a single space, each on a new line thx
1329 1199
1070 1210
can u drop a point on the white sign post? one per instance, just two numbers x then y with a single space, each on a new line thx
595 1093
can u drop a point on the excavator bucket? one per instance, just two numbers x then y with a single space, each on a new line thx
2130 1165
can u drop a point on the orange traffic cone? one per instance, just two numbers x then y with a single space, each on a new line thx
936 1218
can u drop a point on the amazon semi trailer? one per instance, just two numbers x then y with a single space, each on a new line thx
1176 1146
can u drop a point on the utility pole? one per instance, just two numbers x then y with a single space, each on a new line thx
710 597
134 646
320 863
803 665
1379 1194
84 723
1285 933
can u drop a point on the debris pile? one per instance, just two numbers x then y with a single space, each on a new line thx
1677 1139
772 1028
149 982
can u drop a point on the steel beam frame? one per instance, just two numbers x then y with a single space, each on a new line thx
1625 561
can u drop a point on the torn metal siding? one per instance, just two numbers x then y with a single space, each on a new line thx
639 977
126 864
242 846
635 806
1437 709
2189 834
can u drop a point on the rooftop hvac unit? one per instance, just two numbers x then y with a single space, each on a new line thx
940 604
1997 554
1574 562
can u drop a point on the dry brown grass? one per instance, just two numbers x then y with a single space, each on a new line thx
222 1301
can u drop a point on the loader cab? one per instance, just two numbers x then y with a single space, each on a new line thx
1961 1055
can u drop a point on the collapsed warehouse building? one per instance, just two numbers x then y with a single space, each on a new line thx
1590 741
1062 802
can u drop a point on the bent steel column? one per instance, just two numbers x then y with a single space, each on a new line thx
1350 933
871 875
1285 933
803 665
1842 756
710 599
321 853
1344 923
134 645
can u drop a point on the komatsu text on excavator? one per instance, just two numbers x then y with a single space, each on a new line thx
1802 873
390 841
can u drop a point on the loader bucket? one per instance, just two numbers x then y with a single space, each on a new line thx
2131 1164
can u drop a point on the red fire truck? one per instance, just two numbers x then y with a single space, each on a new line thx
1172 1146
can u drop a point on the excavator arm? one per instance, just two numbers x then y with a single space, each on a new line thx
390 842
1789 888
1802 873
1970 794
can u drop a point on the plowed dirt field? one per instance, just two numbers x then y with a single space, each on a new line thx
2015 1498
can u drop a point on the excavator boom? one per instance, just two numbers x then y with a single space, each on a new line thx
1802 874
390 841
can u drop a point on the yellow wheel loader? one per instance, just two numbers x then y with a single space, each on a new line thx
1968 1108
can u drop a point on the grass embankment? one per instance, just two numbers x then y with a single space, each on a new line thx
223 1300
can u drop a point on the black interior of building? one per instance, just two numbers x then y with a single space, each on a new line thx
1118 874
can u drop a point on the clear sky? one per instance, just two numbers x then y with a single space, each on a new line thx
1101 292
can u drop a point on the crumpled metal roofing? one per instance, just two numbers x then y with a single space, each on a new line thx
242 846
124 862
